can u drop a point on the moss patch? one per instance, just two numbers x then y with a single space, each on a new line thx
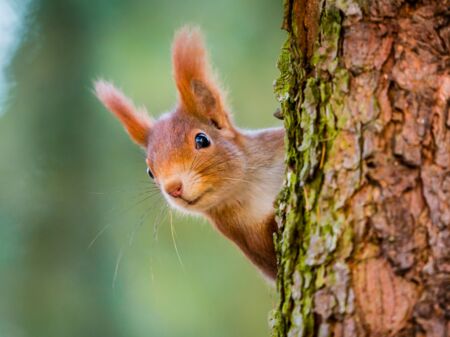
309 234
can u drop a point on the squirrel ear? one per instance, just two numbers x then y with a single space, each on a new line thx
136 121
198 92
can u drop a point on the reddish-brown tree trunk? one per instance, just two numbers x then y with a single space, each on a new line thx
364 243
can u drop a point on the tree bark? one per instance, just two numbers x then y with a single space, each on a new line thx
364 217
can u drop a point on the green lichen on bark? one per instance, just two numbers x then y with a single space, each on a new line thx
310 92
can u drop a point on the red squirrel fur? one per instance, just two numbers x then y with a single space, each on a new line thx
232 178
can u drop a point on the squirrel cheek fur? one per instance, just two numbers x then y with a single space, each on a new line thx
231 177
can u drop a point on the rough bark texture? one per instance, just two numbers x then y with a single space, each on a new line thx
364 241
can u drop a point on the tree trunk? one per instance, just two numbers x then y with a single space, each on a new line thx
364 216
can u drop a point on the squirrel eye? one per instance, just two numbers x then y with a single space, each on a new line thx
150 174
201 141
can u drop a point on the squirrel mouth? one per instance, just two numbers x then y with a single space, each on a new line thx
194 201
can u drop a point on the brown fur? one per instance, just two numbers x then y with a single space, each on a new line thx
232 182
255 241
137 123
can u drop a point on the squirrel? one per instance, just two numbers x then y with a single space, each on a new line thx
201 162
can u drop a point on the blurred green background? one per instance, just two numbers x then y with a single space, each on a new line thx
84 250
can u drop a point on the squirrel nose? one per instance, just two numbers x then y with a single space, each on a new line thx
175 188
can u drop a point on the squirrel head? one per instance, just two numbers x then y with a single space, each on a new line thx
194 153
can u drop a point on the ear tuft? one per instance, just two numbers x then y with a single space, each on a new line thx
199 93
136 122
